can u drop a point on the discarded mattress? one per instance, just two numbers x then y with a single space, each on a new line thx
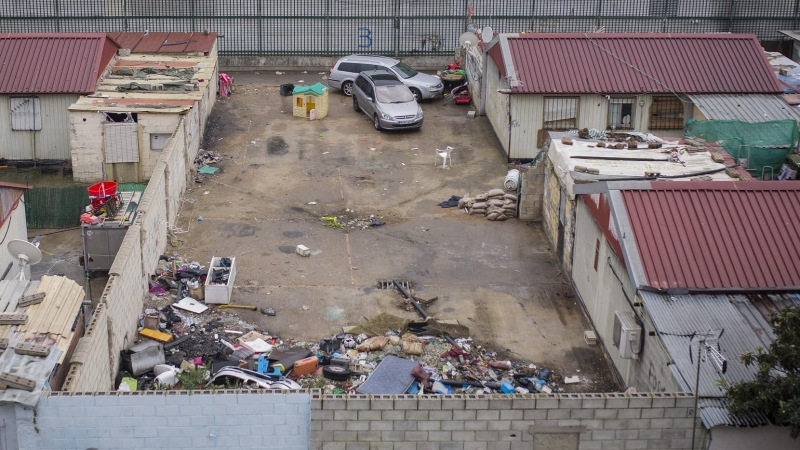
392 376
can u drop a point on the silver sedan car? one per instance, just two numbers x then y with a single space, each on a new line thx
386 100
345 71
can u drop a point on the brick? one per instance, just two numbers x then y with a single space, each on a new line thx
393 436
369 436
463 436
448 403
465 415
639 424
663 401
417 415
333 404
500 403
555 414
318 414
487 436
358 402
476 402
428 445
404 445
681 401
476 425
321 436
381 446
569 423
406 402
474 445
546 402
345 436
640 401
405 425
511 414
368 415
570 401
427 425
627 434
661 423
605 413
635 444
653 413
601 435
630 413
429 403
522 425
439 436
676 412
592 424
535 414
683 423
499 425
523 403
618 401
650 434
452 446
594 401
381 425
452 425
440 415
393 415
345 415
581 413
590 445
615 424
357 425
381 403
613 445
333 425
356 446
658 443
416 436
488 415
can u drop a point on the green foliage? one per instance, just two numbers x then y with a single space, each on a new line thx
193 379
775 390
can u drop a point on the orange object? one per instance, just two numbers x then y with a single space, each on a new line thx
305 366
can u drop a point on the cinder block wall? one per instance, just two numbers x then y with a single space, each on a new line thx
90 368
531 192
172 420
432 422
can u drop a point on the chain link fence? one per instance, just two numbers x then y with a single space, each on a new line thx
392 27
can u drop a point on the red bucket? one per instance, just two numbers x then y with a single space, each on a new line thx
103 189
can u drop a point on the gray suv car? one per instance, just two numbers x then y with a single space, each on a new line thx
386 100
345 71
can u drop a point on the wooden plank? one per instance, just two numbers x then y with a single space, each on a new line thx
32 349
156 335
34 299
17 382
13 319
3 343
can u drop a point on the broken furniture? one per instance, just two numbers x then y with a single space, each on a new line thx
220 279
141 358
445 155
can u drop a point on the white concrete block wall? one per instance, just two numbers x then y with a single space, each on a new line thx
86 145
174 420
90 367
152 220
176 172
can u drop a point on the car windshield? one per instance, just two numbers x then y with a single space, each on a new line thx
404 71
395 93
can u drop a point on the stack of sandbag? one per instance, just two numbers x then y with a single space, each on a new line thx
495 204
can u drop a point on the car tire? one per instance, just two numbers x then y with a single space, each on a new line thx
417 94
336 373
356 108
347 88
377 123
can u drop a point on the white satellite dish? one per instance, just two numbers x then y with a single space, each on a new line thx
26 253
487 33
468 39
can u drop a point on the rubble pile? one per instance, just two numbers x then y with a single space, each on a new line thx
495 204
205 164
348 220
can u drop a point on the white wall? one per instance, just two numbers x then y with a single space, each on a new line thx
602 294
51 142
497 105
736 438
16 228
86 145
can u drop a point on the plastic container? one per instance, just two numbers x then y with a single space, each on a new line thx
103 189
511 182
507 388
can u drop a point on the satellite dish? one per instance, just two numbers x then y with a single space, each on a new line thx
487 33
26 253
468 39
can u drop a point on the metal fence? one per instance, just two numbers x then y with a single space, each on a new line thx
61 206
395 27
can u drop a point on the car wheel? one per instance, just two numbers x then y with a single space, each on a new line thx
377 123
336 373
347 88
417 94
356 108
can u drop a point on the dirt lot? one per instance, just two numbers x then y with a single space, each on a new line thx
498 278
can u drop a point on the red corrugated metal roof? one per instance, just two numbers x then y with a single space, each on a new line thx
4 184
53 63
165 42
631 63
717 235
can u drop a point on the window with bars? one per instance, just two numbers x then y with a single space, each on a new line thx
620 113
560 113
26 114
666 113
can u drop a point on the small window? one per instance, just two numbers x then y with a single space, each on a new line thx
121 117
560 113
349 67
620 113
158 141
666 113
26 114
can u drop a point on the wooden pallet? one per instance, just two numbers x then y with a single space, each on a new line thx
17 382
29 300
13 319
32 349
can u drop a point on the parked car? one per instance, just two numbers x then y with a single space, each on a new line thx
343 75
384 98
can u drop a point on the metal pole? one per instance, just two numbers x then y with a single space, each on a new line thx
697 389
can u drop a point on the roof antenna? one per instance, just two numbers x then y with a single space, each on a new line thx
26 254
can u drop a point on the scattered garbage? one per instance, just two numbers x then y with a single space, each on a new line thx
302 250
451 203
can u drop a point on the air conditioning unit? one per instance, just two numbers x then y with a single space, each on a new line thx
627 335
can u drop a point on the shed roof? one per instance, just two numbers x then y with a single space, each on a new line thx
53 63
144 42
751 108
633 63
716 236
314 89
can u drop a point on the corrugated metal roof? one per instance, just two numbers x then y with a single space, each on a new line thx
716 236
678 318
165 42
748 108
606 63
714 412
57 63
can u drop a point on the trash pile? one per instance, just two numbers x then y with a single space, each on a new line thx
348 220
495 204
204 163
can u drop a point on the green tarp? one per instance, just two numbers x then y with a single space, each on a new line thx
314 89
762 144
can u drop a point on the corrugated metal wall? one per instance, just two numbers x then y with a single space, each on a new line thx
497 104
52 142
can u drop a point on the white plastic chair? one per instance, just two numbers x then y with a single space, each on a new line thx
446 156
